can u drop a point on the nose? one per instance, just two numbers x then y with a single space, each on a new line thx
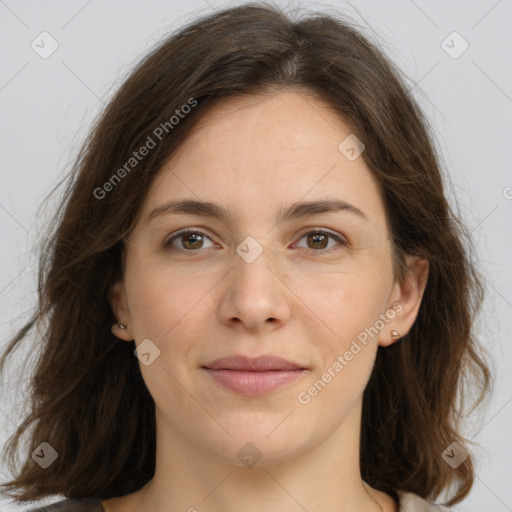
254 295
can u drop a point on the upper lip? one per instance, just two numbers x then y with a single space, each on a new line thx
252 364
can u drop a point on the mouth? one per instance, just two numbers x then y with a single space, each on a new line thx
253 376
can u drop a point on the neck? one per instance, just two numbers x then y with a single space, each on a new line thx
323 477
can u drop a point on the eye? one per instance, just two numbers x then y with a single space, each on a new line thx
193 240
319 239
190 240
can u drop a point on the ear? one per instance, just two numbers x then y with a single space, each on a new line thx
120 308
406 299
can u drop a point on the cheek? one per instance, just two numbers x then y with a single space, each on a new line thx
171 310
347 304
349 308
157 299
331 394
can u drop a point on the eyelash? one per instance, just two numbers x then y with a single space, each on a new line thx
168 244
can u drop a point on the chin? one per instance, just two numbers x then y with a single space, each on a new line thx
263 444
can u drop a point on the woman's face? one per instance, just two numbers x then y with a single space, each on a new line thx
314 287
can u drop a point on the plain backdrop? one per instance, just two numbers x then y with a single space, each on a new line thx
47 106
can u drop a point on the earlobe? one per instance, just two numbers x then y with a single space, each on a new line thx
121 329
408 294
122 332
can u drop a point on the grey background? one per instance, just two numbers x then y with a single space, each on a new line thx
47 106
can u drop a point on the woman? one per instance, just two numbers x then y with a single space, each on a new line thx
256 294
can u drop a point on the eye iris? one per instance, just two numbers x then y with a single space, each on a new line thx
194 240
318 237
195 236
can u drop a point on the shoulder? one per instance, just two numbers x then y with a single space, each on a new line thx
410 502
72 505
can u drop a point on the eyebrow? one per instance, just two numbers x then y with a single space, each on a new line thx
294 211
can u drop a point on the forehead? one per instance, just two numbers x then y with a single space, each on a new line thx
286 119
253 152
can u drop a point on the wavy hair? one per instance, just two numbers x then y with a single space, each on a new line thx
87 396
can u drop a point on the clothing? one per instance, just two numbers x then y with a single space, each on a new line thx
69 505
409 502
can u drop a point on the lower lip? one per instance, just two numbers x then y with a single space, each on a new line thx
254 383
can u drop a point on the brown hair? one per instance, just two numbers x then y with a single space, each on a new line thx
86 384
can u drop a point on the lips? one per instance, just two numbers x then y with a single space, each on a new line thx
253 376
253 364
